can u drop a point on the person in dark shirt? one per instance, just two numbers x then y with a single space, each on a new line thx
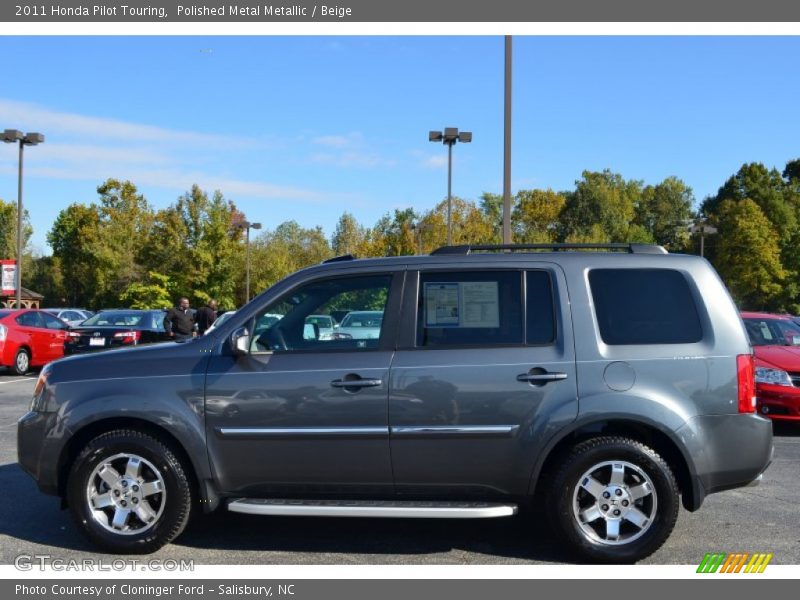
179 321
206 316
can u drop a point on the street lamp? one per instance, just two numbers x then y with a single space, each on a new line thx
704 229
247 225
450 136
29 139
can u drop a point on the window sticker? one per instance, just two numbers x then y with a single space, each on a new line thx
442 302
473 304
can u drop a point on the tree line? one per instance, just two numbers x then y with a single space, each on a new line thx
120 251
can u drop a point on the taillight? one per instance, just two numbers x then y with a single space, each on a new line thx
74 335
3 333
128 337
746 378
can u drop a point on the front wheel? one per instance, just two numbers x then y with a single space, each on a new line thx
129 493
613 499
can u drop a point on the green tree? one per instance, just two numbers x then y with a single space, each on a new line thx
664 211
156 292
601 199
535 218
491 205
72 238
348 237
748 257
8 230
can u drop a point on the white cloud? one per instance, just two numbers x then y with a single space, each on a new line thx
37 118
435 162
94 149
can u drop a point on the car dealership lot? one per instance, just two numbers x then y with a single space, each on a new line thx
760 519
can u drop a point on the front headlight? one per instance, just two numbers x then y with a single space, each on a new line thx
773 377
39 398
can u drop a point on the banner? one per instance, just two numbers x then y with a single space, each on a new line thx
9 277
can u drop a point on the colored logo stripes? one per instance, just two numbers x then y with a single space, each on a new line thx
734 563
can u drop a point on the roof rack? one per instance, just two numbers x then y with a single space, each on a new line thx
339 258
631 248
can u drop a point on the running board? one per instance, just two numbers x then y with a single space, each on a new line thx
367 508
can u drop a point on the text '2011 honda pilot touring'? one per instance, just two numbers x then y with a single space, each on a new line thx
605 387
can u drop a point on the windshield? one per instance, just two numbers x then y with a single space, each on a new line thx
772 332
125 319
320 320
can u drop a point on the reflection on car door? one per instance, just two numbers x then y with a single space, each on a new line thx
303 417
486 368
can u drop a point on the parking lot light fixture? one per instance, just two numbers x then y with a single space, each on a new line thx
247 226
449 137
11 136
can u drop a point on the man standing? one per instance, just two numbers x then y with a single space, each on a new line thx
179 322
206 316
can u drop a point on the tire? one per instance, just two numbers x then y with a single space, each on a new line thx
129 493
22 362
635 517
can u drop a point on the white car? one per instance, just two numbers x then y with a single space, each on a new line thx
360 325
220 320
72 316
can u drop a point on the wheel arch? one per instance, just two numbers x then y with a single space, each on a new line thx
200 485
647 433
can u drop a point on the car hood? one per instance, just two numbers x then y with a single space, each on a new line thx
161 359
786 358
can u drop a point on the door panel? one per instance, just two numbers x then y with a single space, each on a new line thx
464 420
303 416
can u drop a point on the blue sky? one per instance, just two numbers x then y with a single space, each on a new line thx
307 127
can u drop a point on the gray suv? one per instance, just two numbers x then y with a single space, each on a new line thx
603 387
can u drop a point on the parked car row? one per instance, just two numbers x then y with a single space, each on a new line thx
32 337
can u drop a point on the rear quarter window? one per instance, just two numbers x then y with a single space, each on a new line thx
644 306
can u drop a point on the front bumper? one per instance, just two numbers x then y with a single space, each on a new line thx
779 402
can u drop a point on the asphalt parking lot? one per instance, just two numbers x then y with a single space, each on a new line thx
759 519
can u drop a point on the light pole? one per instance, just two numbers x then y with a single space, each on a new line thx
449 137
703 228
29 139
247 225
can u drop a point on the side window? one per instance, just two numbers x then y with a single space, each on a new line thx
644 306
302 320
30 319
469 308
52 322
541 324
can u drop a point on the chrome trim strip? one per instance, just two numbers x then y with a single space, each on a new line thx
389 511
456 430
299 431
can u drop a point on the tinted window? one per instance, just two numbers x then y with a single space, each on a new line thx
644 306
541 327
71 315
469 308
30 319
126 319
52 322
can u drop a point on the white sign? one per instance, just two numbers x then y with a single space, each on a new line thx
474 304
9 277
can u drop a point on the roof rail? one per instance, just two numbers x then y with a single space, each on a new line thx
339 258
631 248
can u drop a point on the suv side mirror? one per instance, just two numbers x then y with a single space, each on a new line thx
240 341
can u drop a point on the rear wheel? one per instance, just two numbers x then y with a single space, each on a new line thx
613 499
129 493
22 362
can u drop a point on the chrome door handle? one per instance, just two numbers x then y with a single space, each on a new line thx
541 377
356 383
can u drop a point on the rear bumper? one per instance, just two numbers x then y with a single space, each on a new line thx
729 451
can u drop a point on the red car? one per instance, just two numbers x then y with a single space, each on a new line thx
30 338
776 345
